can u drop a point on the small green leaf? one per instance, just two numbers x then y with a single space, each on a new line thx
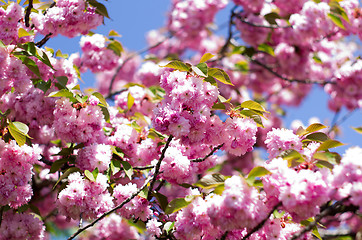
336 20
100 98
242 66
23 33
316 233
143 193
100 8
105 113
115 166
152 133
116 47
66 174
19 131
210 181
206 57
61 93
58 164
95 173
200 69
127 169
42 85
168 227
30 64
329 144
178 65
59 53
176 205
89 175
62 82
331 157
2 44
323 164
113 33
358 129
317 136
315 127
162 200
252 105
130 100
266 48
270 18
257 171
220 75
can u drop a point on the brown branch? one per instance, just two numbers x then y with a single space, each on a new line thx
44 40
119 68
303 81
27 13
208 155
260 25
230 34
158 166
261 224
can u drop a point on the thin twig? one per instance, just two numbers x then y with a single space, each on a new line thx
27 13
158 166
230 34
304 81
44 40
119 68
261 224
208 155
260 25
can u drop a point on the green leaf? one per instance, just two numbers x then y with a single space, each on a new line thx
218 106
62 93
206 57
152 133
317 136
329 144
316 233
58 164
42 85
66 174
331 157
211 80
62 82
336 20
176 205
178 65
162 200
59 53
315 127
257 171
115 166
89 175
113 33
266 48
210 181
168 227
200 69
144 193
323 164
130 100
19 131
242 66
100 8
105 113
95 173
2 44
127 169
270 18
220 75
252 105
292 156
116 47
30 64
357 129
23 33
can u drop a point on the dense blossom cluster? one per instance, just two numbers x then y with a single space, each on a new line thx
68 18
172 147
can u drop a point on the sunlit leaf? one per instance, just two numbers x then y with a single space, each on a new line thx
127 169
220 75
178 65
329 144
206 57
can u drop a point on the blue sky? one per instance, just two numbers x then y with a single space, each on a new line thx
133 19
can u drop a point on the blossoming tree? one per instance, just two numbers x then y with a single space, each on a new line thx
167 147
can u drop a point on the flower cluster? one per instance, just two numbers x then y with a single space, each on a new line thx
280 139
16 171
68 18
94 156
83 198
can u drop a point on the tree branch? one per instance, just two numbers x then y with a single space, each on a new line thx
230 34
27 13
158 165
44 40
261 26
208 155
305 81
